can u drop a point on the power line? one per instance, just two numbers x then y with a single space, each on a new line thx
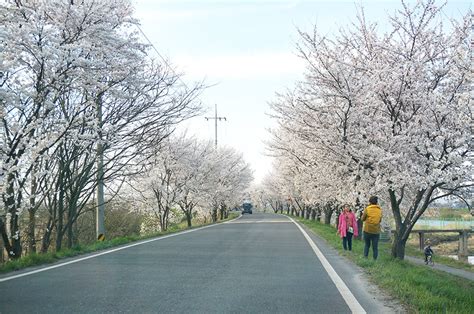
216 118
161 56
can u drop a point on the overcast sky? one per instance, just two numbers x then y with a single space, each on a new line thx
246 48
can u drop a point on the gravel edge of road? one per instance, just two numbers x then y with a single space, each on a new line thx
381 301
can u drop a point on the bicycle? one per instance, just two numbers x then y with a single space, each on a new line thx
429 260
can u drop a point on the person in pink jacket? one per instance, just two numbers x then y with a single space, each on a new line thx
347 227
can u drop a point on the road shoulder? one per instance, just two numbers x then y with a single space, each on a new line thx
369 295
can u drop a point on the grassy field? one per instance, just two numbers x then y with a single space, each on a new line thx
422 289
454 213
51 257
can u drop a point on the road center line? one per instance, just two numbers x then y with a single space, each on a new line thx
106 252
351 301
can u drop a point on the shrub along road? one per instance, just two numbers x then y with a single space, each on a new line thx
259 263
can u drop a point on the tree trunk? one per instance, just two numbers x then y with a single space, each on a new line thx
226 212
327 217
11 237
187 209
71 217
313 214
59 227
404 227
328 211
164 219
3 232
31 230
16 240
275 209
32 215
46 241
188 218
70 237
60 223
221 210
360 225
214 214
398 248
398 244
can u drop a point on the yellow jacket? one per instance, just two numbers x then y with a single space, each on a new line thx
372 217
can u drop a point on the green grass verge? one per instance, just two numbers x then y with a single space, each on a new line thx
51 257
422 289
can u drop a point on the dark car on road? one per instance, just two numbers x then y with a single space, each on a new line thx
246 208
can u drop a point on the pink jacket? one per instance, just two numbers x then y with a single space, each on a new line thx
342 226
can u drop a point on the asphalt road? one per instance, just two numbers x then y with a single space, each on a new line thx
260 263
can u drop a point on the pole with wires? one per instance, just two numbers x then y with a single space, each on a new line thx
215 118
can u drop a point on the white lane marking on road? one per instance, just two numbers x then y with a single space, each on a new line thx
259 222
350 299
106 252
231 221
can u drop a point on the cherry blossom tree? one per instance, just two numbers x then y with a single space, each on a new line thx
187 173
386 114
76 84
271 196
196 168
165 179
231 176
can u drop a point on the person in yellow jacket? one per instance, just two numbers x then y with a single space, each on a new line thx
372 217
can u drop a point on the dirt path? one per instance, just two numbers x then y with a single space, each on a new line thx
451 270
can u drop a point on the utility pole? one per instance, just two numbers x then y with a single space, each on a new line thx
216 118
